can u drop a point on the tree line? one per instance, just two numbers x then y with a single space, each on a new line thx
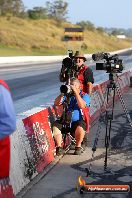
57 10
11 7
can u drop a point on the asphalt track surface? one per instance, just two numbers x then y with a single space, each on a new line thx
37 85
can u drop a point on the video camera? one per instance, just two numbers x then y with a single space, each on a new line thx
68 70
112 64
69 67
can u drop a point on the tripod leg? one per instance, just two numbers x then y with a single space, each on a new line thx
109 118
106 134
65 131
112 111
105 161
106 146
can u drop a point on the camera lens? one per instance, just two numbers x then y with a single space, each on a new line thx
63 89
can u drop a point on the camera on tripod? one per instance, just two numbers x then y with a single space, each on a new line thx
68 70
112 64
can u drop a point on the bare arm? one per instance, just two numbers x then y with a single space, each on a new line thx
88 76
89 88
81 103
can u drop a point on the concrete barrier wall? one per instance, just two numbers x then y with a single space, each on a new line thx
43 59
30 59
32 145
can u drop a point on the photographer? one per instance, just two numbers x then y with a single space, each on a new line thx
79 101
84 74
74 66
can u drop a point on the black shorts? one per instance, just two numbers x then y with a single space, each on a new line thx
72 129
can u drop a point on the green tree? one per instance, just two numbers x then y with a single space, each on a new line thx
12 7
18 8
100 29
86 25
116 32
5 6
57 10
37 13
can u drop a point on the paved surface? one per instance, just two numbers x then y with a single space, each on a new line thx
61 181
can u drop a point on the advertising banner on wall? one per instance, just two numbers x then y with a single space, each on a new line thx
40 139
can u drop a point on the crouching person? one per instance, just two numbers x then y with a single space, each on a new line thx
78 108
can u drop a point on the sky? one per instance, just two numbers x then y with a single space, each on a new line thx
102 13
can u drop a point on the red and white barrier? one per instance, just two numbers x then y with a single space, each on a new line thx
6 190
98 99
40 138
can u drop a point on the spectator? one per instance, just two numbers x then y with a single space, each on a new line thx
84 74
7 126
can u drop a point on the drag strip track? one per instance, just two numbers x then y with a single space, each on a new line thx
38 84
28 86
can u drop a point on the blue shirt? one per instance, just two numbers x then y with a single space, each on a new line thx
73 107
7 113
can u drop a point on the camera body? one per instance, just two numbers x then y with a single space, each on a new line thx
68 70
112 64
65 89
69 67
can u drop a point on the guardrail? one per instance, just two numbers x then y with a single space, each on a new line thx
43 59
32 145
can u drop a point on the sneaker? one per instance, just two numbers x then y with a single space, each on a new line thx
78 151
59 151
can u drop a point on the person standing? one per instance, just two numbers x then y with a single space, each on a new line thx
75 67
84 73
7 127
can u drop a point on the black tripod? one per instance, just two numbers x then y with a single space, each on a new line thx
66 123
109 100
111 89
